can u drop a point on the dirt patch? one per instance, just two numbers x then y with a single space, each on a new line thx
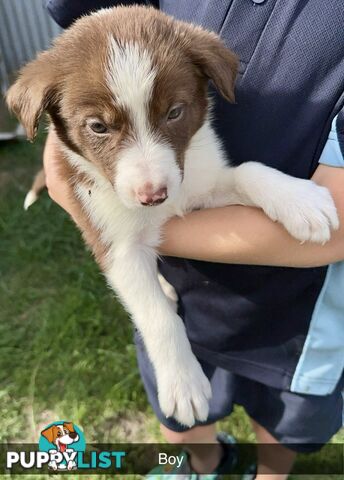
5 179
130 428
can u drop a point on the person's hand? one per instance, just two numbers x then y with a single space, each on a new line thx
58 188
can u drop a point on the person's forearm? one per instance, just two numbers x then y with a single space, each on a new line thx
244 235
232 234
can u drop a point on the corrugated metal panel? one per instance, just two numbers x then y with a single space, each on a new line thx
25 29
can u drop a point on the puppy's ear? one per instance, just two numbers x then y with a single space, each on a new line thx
69 426
215 60
33 92
49 433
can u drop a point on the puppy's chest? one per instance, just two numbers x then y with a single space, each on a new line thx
117 225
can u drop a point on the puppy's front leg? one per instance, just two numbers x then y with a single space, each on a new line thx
183 388
305 209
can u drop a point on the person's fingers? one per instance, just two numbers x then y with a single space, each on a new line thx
58 189
50 160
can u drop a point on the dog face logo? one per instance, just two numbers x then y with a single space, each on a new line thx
62 440
61 435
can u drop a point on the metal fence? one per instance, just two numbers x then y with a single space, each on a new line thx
25 29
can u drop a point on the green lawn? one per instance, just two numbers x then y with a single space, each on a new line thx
66 344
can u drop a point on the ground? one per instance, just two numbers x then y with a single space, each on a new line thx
66 343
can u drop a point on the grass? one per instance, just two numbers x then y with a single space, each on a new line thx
66 343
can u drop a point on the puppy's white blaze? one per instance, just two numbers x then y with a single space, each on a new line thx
130 77
130 74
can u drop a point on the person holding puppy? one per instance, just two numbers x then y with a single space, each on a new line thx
263 313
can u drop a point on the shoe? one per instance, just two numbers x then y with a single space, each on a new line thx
185 472
250 473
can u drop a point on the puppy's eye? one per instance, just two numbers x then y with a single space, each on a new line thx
65 432
175 113
98 127
59 433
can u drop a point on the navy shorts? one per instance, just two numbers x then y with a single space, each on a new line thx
302 422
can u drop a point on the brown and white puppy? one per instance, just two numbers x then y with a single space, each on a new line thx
126 91
61 435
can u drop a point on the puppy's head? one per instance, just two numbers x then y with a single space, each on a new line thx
126 88
61 435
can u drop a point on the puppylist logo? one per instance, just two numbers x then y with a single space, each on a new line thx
62 441
62 447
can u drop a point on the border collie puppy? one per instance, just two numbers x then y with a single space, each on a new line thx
126 91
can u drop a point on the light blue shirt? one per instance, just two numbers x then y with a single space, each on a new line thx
322 360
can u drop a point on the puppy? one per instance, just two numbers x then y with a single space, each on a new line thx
62 436
126 92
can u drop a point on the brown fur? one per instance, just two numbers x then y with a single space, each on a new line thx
90 234
51 433
39 182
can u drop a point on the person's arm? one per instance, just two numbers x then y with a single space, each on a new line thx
234 234
58 190
246 235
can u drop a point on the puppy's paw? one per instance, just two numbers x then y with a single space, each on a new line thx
71 465
184 392
309 213
52 465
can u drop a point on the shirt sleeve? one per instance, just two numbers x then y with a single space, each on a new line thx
333 153
64 12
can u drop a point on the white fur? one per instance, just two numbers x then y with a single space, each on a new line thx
30 199
306 210
169 292
146 160
66 440
130 76
132 233
146 163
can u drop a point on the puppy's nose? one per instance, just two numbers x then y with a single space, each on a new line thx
73 434
149 197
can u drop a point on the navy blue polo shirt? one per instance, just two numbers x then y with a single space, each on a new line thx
280 326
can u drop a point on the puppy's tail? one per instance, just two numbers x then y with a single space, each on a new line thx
37 186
